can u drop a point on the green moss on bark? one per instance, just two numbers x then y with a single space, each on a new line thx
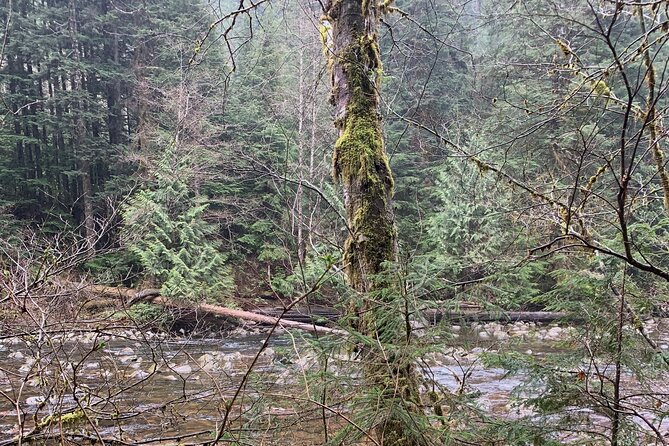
361 165
359 151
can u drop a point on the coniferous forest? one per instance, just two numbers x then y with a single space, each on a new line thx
334 222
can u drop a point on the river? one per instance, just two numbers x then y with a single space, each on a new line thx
138 386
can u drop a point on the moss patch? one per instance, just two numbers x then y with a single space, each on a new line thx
67 419
360 163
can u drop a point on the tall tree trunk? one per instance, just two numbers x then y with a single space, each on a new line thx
360 161
79 132
298 207
113 86
361 166
14 88
141 87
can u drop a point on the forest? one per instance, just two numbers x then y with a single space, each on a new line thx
334 222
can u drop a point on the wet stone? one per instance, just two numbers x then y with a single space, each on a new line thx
139 374
16 355
35 400
184 369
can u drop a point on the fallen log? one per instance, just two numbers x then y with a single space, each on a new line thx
435 316
309 314
151 295
467 312
245 315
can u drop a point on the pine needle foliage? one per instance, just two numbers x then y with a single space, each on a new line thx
166 227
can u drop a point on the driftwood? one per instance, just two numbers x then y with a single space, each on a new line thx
467 314
153 296
306 321
245 315
435 316
310 314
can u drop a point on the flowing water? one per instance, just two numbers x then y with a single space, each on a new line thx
139 387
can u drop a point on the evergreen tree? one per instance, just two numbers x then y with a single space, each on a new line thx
166 228
73 82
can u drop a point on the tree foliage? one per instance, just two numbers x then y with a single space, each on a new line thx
527 148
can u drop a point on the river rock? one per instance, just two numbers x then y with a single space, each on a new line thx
139 374
207 362
183 369
87 338
476 351
92 365
286 377
268 353
127 351
35 400
519 332
136 364
16 355
232 357
437 359
492 326
227 366
238 332
306 361
27 366
231 362
553 334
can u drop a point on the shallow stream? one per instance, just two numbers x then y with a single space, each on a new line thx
138 386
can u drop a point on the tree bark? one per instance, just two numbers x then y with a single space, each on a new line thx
653 117
79 132
113 86
350 30
360 161
153 296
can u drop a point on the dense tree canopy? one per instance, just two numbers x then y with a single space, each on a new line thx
385 159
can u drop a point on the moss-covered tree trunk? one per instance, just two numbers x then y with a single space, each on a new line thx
360 160
350 32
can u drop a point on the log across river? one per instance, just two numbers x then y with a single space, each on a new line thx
318 318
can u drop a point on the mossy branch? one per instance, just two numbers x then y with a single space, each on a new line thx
63 419
649 116
652 117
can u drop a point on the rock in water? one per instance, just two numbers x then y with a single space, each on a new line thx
183 369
